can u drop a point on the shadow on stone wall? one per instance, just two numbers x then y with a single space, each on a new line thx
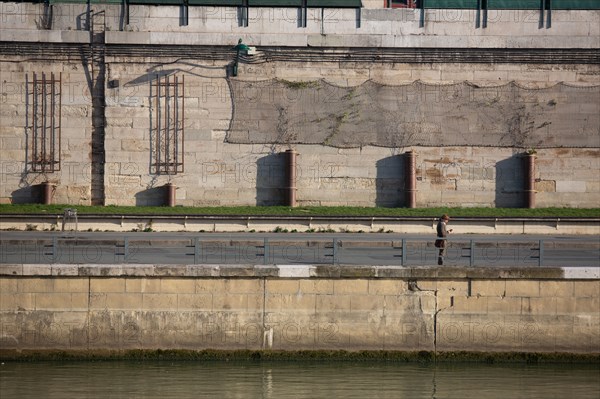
154 196
27 195
270 180
389 183
509 183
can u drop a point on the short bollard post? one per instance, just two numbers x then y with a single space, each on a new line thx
472 257
410 185
404 252
541 253
170 194
290 173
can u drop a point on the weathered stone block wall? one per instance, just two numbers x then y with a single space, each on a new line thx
512 315
431 314
72 182
220 173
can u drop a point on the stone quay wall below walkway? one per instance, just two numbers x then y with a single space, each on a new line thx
81 309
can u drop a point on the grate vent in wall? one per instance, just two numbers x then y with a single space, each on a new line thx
167 129
43 122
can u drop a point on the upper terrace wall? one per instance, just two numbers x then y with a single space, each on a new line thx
324 27
219 171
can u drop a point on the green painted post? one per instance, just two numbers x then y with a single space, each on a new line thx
239 47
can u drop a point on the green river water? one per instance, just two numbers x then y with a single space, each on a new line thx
287 379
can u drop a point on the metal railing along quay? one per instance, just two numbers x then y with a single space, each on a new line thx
332 250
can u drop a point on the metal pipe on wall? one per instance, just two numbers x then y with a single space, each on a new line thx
410 179
290 175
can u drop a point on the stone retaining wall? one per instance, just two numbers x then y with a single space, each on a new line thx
107 143
82 308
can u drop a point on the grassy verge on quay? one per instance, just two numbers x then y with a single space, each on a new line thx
301 211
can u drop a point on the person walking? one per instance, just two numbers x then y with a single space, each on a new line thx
442 234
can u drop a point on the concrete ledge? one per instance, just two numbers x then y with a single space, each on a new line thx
351 40
299 271
222 223
45 36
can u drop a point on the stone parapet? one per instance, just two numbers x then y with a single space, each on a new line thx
298 271
281 27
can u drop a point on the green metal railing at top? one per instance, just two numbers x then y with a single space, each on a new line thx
428 4
513 4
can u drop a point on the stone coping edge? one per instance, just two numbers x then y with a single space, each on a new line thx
177 217
297 355
297 271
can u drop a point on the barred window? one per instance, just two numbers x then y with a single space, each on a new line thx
43 122
167 132
401 3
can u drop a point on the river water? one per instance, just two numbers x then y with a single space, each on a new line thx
281 380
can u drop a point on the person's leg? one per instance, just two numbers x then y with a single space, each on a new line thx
441 254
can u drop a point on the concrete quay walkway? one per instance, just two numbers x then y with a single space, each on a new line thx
390 249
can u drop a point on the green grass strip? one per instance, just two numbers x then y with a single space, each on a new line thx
302 211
